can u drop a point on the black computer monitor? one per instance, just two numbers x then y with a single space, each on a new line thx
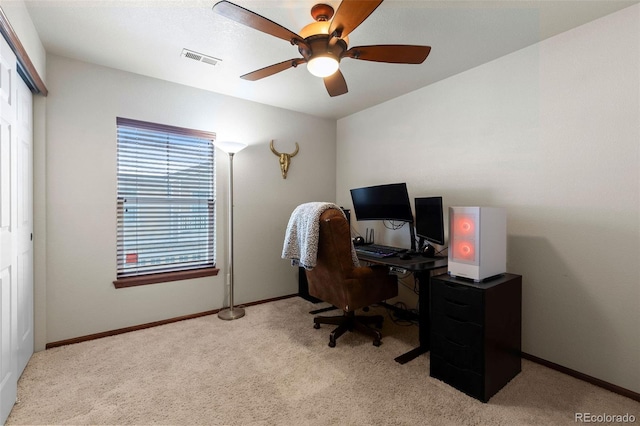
429 222
382 202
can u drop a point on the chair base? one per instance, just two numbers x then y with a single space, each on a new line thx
352 322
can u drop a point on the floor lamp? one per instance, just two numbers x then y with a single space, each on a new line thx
232 312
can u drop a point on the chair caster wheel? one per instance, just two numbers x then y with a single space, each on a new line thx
316 326
377 343
332 344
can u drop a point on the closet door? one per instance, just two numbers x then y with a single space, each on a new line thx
8 235
24 224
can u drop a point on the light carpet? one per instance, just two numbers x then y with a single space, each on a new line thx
273 368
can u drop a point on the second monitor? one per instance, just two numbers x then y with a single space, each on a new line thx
429 223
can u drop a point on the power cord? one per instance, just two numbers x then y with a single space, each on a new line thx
402 315
392 224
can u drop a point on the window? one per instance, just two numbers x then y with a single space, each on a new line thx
166 203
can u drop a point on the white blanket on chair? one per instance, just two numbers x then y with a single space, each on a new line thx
301 237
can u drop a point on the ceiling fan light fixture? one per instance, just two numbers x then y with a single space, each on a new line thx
315 28
318 28
323 65
324 43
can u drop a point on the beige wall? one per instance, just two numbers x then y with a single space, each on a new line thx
551 133
83 103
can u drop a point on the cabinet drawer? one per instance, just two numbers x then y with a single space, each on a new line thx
461 332
458 301
462 379
461 356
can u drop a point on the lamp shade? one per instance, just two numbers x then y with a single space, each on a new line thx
230 147
322 66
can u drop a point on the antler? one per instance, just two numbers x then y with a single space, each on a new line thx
273 149
293 154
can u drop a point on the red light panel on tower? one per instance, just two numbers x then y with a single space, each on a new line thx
464 250
464 225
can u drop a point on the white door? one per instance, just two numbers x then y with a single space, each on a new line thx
24 223
8 236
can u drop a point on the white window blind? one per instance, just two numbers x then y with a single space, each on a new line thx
166 199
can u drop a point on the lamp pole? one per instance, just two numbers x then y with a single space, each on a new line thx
232 312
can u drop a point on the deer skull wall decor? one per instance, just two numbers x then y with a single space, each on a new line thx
285 159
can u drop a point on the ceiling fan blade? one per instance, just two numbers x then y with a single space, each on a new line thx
350 14
253 20
391 53
336 84
272 69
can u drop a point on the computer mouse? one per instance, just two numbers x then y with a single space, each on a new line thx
405 256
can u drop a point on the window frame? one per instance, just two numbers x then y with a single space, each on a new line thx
177 275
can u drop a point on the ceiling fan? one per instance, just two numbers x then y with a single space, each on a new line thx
324 43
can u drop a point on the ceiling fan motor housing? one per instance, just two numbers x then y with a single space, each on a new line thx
319 45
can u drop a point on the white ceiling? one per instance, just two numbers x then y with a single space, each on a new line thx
147 37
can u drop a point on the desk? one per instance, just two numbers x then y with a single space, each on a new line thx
421 270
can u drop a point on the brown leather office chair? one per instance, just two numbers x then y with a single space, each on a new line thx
336 280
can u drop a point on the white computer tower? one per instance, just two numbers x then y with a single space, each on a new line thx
477 242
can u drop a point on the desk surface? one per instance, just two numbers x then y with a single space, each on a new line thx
417 263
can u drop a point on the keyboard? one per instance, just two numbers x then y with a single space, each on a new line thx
377 250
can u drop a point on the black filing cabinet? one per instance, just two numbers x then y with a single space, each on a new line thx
476 333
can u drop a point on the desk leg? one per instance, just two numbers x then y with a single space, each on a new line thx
424 324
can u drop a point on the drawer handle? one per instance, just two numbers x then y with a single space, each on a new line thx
460 345
457 287
459 321
455 302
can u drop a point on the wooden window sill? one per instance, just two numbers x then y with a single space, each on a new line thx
165 277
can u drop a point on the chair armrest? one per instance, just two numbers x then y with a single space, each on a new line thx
368 272
368 285
361 272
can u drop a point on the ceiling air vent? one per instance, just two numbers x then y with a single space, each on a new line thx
190 54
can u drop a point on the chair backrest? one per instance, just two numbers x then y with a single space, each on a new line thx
334 263
335 279
334 243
